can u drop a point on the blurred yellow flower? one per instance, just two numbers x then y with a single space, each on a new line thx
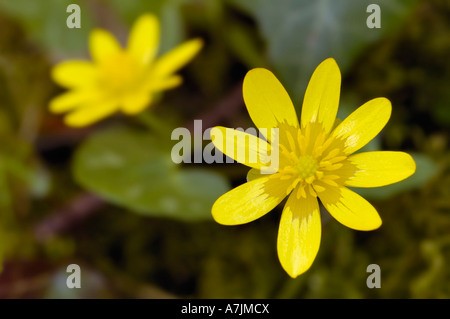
119 79
315 161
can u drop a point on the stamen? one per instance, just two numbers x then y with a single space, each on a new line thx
331 154
301 143
337 159
289 189
324 163
318 142
319 174
293 185
307 134
309 155
329 182
285 177
283 149
328 142
306 166
301 192
290 141
318 188
310 179
311 191
299 138
288 170
333 167
289 155
317 151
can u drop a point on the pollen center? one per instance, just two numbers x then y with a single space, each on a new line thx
310 159
120 73
306 166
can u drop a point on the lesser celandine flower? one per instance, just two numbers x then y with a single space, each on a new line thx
315 162
119 79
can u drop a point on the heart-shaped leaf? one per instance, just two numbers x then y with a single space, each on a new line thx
130 168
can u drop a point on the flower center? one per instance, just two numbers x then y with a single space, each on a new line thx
309 159
306 166
120 73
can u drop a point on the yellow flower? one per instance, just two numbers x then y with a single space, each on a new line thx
315 162
119 79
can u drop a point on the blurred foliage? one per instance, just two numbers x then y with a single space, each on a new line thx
328 28
130 168
45 22
46 169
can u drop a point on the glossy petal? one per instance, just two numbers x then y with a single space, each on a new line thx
74 74
157 84
267 101
87 115
249 201
364 124
243 147
103 45
71 100
299 234
349 208
321 100
136 103
374 169
177 58
144 38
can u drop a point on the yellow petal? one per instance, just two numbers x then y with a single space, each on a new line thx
90 114
71 100
249 201
144 38
349 208
103 45
167 83
374 169
175 59
74 74
363 124
243 147
321 100
299 234
136 103
267 101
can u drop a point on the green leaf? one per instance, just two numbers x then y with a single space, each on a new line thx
241 41
130 168
45 22
301 34
19 167
426 169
